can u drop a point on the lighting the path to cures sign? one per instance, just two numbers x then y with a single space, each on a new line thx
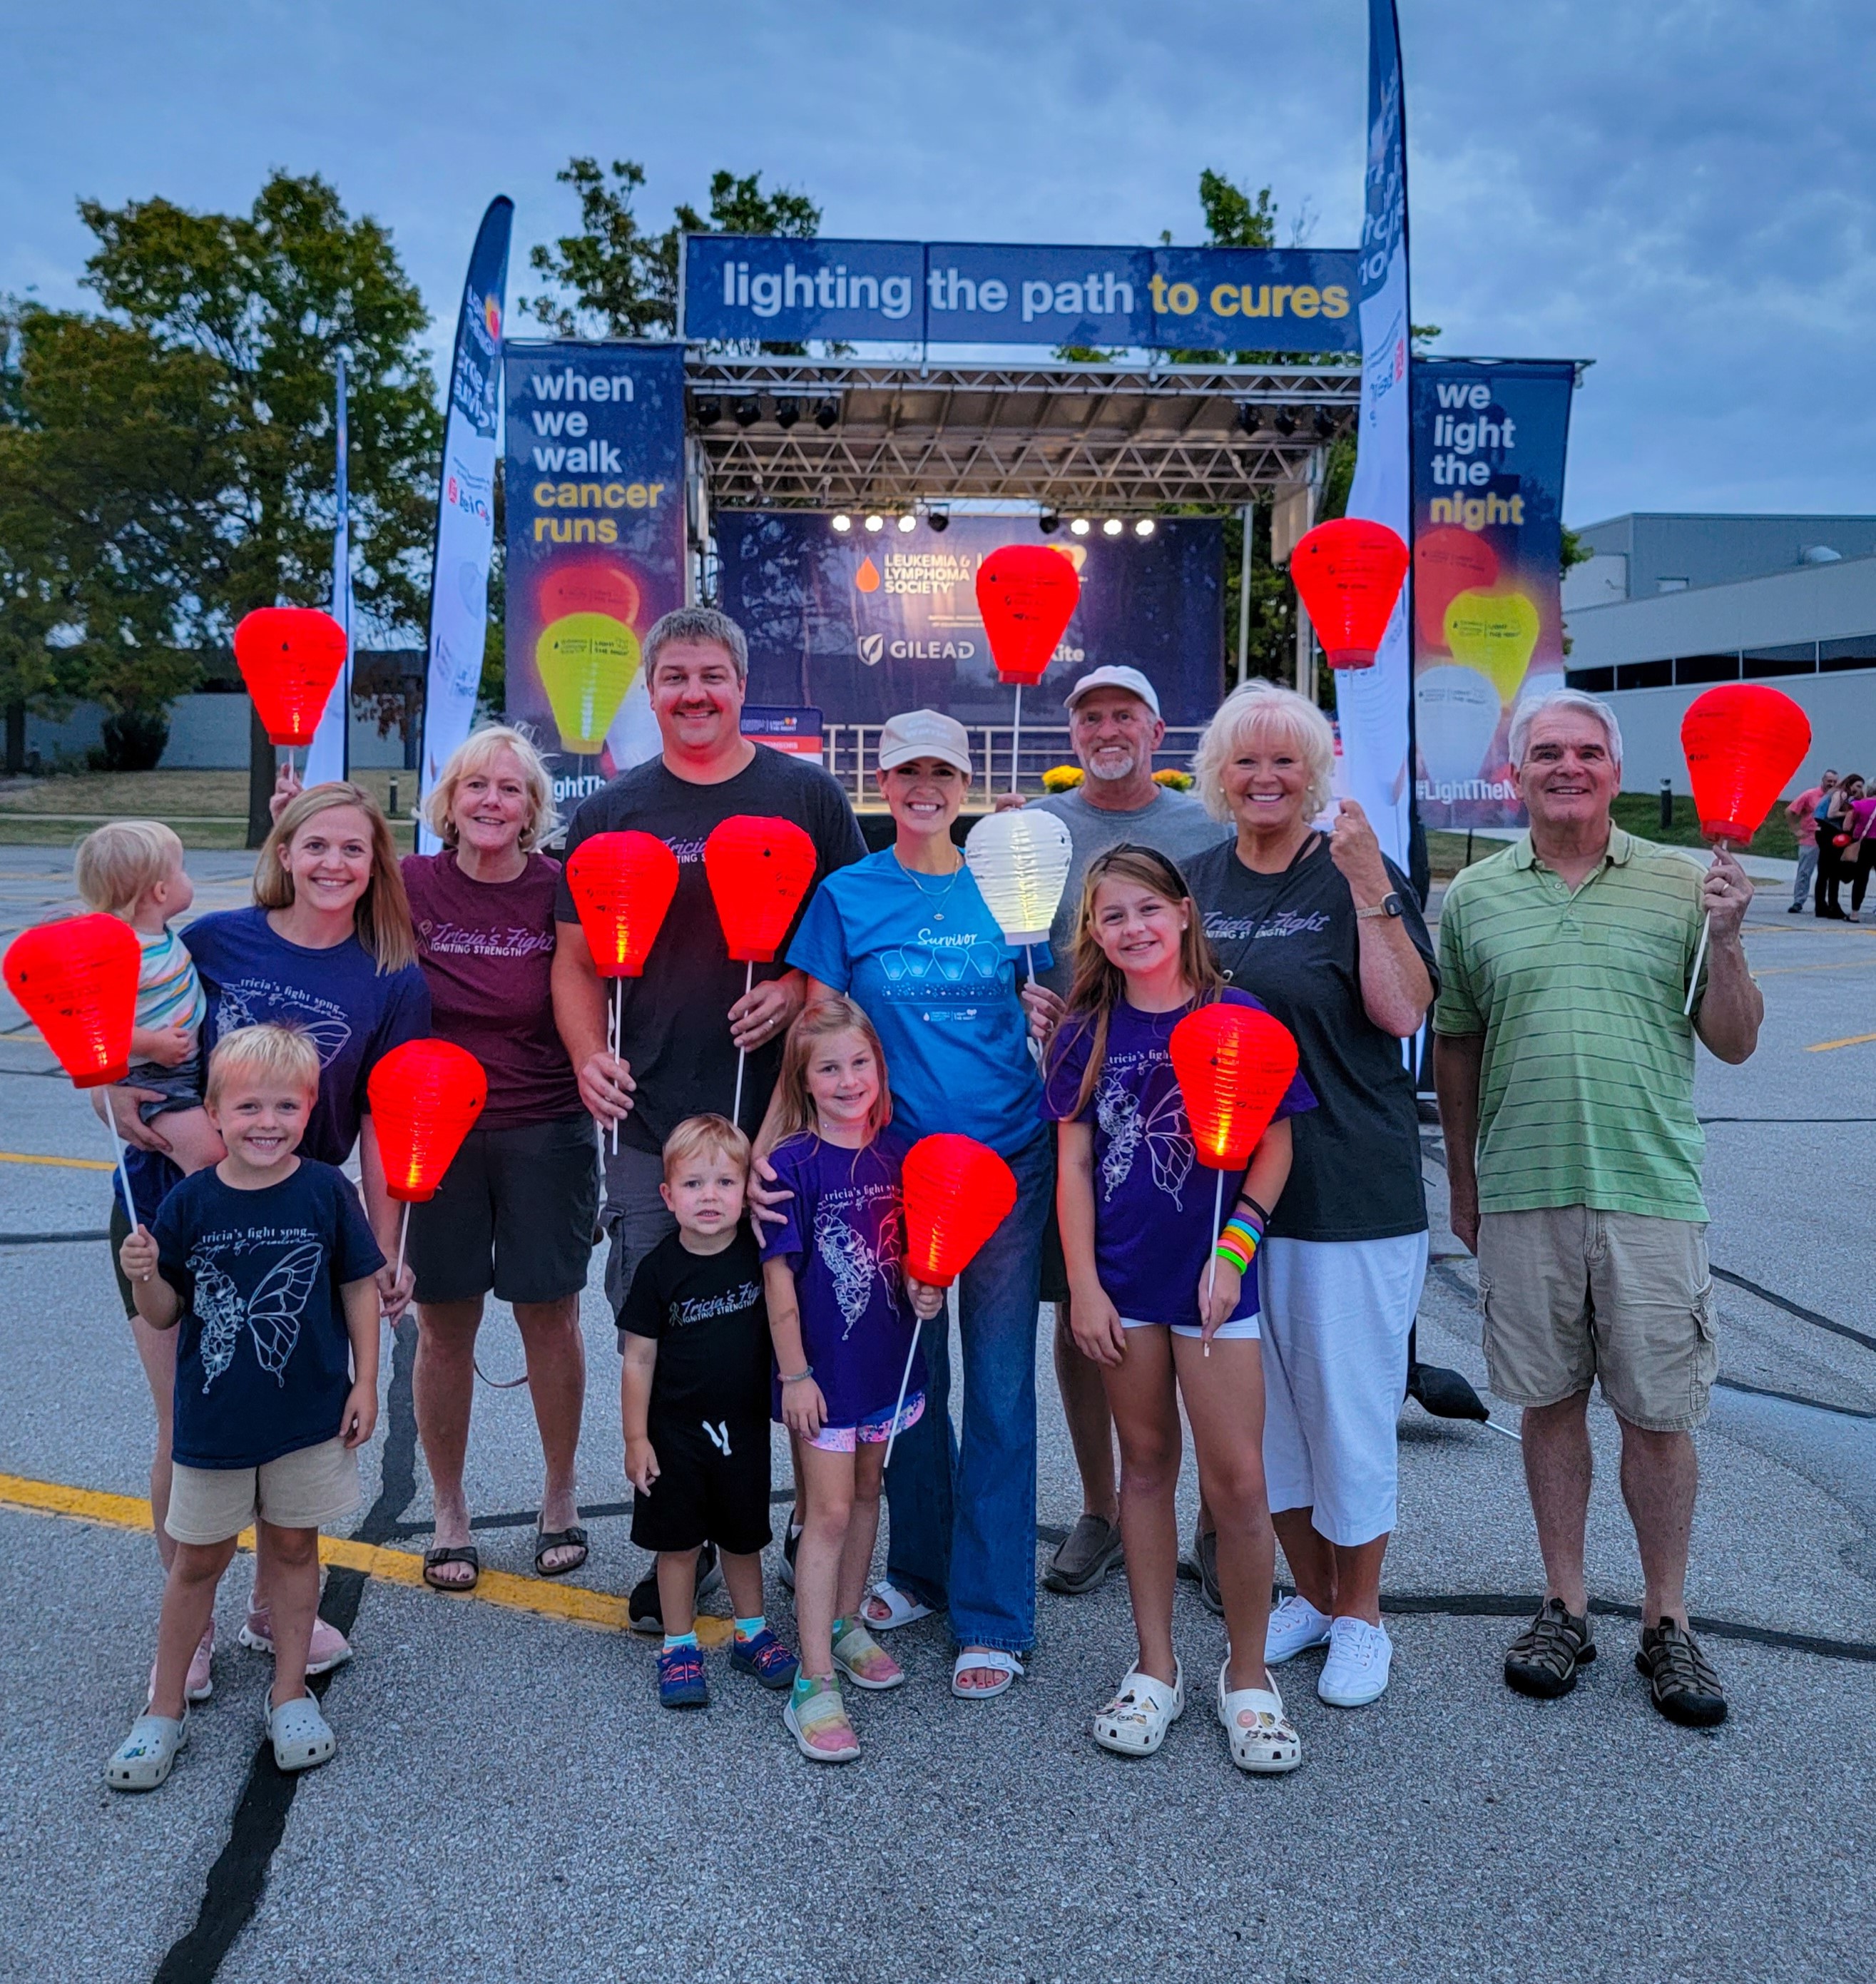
290 657
1020 862
1348 573
1447 561
1456 714
1233 1063
76 981
425 1096
957 1193
1027 594
587 661
1493 632
1743 744
622 884
758 869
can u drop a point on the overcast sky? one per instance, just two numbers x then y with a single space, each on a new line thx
1684 193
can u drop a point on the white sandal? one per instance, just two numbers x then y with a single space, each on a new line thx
1262 1738
992 1658
301 1737
901 1609
143 1759
1134 1724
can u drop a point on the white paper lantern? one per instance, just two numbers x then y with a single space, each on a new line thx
1020 861
1456 715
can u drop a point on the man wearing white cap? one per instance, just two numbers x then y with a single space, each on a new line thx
1115 727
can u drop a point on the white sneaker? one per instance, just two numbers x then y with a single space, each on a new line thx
1295 1626
1356 1671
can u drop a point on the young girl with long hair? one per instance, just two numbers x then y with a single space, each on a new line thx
843 1316
1159 1299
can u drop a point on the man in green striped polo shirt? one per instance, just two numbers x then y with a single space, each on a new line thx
1565 1069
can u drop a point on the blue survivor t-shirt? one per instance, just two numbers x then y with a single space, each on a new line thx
264 1362
924 958
1153 1202
843 1235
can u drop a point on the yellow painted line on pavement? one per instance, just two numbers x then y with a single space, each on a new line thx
572 1603
1854 1040
67 1163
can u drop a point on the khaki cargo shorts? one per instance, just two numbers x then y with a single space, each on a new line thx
1571 1296
311 1488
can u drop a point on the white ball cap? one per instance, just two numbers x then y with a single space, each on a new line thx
924 733
1130 679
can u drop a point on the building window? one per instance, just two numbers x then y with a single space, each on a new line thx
1592 682
1858 652
1706 668
1645 674
1670 585
1796 658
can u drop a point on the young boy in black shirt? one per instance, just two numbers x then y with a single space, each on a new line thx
695 1398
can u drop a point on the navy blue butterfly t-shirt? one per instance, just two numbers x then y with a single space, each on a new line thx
263 1364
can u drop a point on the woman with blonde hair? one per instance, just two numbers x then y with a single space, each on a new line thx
515 1213
326 949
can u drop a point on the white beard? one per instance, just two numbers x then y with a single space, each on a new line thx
1111 773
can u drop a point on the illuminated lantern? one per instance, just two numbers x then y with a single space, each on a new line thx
290 657
425 1096
1456 715
1348 572
77 981
957 1193
587 661
1234 1064
622 885
1027 594
1493 632
1448 561
578 586
1020 862
759 871
1743 744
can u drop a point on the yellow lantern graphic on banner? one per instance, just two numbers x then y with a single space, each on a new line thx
588 662
1495 633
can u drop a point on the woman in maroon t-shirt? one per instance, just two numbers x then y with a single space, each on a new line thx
515 1212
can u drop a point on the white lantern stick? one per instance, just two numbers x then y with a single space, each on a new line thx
905 1379
404 1233
1211 1266
1016 742
613 1005
123 1170
1700 957
742 1054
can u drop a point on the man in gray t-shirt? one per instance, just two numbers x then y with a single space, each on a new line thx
1114 725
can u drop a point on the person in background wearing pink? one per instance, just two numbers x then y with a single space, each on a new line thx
1855 862
1802 812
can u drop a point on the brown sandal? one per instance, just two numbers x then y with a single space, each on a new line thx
434 1560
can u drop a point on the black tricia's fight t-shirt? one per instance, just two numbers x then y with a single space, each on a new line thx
706 1314
675 1024
1291 939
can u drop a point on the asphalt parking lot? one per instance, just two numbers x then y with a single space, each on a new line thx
509 1802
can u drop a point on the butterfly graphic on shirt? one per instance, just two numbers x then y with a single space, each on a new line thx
233 1009
851 1264
1163 1131
272 1312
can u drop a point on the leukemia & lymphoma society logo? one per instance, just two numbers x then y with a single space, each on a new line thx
871 648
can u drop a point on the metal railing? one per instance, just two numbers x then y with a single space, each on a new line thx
852 751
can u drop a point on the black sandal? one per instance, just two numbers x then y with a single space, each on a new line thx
434 1559
571 1538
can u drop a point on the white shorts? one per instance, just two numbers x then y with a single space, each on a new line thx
1336 1315
1226 1332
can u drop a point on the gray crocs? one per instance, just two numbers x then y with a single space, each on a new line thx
301 1737
142 1761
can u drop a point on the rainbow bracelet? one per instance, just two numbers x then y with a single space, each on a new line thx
1238 1245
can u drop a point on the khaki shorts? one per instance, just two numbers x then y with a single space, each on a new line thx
1572 1295
308 1490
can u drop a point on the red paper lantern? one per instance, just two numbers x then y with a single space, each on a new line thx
425 1097
1027 594
290 657
958 1192
759 871
1448 561
77 980
1744 743
1234 1064
622 885
1348 572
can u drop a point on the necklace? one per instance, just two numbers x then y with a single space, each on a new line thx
931 895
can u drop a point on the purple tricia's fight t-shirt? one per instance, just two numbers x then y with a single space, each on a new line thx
487 949
843 1235
1154 1201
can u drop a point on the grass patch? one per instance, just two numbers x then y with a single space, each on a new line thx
207 809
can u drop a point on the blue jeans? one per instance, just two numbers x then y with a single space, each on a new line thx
963 1514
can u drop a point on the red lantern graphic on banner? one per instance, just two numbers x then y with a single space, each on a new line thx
1743 744
1234 1064
622 885
77 981
759 870
589 587
425 1097
1448 561
290 657
1348 572
958 1192
1027 594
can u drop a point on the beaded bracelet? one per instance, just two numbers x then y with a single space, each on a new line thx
795 1377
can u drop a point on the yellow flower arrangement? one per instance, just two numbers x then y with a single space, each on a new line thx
1062 777
1177 781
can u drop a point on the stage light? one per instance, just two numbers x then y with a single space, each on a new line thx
1284 421
939 517
1325 422
1143 527
843 523
1049 522
1080 527
748 412
707 412
875 523
827 414
908 521
1112 527
787 413
1248 417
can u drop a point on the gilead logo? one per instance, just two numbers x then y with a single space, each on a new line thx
872 647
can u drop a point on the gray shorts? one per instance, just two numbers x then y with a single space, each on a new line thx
1574 1297
179 1087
